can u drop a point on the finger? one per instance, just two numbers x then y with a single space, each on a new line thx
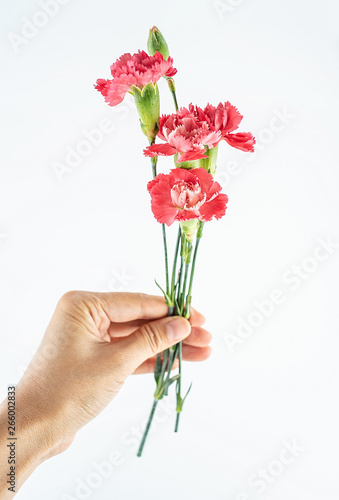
123 307
196 318
123 329
190 353
199 337
147 341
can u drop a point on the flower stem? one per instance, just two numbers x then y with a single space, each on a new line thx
175 263
171 86
154 160
166 257
182 297
176 428
150 418
175 100
189 293
178 388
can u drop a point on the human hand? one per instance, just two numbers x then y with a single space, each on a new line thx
93 343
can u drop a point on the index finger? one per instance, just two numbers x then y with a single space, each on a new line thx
121 307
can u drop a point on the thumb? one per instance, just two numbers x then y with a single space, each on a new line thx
150 339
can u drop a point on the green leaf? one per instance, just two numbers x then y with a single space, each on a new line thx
173 379
168 299
188 390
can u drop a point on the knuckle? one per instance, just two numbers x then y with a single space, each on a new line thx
71 298
152 336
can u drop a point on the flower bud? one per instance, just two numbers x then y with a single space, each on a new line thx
147 102
157 43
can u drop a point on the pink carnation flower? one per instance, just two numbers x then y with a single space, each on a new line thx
133 70
186 134
185 194
189 131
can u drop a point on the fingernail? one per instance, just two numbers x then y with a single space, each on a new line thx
177 329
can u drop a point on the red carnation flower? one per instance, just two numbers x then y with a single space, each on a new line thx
226 118
189 131
135 70
186 194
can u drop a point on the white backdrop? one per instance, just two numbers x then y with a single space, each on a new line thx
267 276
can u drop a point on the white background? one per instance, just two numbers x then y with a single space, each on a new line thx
92 229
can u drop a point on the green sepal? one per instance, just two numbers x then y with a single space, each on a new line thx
189 228
147 101
209 164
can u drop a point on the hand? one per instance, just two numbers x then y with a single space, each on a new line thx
92 344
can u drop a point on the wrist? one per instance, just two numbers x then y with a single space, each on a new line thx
34 439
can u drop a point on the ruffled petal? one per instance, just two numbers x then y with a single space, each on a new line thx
205 180
192 155
215 208
159 150
243 141
161 204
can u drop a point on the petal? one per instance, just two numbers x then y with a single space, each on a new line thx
205 180
163 212
213 191
181 174
216 208
181 143
243 141
162 207
231 117
155 181
160 150
102 86
192 155
187 215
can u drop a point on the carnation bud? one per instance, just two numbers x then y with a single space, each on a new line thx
157 43
147 102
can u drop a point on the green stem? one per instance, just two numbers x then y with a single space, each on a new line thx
154 162
178 388
171 358
175 100
189 293
166 257
150 418
181 274
174 270
183 292
171 86
176 428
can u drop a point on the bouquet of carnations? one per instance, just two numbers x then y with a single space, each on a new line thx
188 194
